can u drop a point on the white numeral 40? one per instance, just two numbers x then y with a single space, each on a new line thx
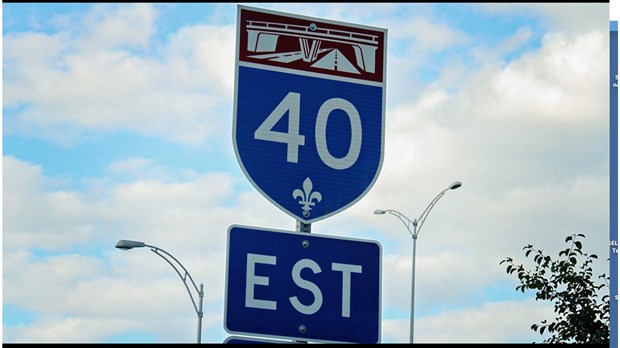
293 139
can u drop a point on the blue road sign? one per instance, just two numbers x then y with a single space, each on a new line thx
308 123
302 286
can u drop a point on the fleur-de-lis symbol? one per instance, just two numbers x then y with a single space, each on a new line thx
307 197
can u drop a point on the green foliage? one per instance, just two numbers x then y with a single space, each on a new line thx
568 282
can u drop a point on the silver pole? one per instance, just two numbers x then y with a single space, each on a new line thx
411 319
414 235
130 244
184 278
201 293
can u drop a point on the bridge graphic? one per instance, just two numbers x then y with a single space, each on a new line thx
263 38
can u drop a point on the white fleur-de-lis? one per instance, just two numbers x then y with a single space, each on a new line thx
307 197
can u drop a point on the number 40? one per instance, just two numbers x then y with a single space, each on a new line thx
294 140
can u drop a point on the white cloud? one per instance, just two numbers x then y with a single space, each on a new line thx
521 37
66 86
203 56
110 26
67 218
561 83
428 36
500 322
491 322
526 123
565 17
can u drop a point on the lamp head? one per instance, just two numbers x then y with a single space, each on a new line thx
379 211
455 185
129 244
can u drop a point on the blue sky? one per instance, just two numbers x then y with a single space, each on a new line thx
117 124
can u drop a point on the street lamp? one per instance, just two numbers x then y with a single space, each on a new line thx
130 244
417 226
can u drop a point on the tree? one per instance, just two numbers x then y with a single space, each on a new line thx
582 317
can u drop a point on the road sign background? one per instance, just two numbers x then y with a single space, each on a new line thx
327 324
261 84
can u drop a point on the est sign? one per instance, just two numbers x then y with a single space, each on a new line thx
302 286
308 119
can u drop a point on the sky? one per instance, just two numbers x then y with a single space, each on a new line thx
117 124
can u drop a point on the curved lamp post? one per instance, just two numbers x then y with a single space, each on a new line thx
130 244
416 224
